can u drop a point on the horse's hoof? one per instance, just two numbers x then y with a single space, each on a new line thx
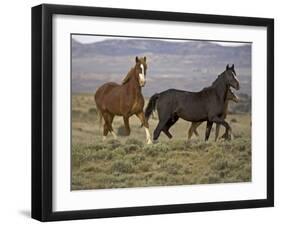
226 137
149 142
155 141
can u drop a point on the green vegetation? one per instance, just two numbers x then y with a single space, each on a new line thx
129 162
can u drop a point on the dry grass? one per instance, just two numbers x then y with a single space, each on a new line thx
129 162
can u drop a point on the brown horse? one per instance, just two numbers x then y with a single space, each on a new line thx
229 97
123 100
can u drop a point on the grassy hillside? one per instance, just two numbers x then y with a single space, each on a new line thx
129 162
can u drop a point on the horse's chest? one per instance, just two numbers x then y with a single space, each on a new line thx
217 107
137 106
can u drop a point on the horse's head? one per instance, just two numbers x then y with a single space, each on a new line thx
230 77
140 68
232 96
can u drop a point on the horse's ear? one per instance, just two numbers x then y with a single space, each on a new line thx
137 59
144 59
227 67
232 67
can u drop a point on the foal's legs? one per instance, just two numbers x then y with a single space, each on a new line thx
193 129
208 130
221 121
217 131
144 122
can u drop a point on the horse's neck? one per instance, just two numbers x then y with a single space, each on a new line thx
132 85
225 108
221 89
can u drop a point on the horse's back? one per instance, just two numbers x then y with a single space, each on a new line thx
190 106
167 101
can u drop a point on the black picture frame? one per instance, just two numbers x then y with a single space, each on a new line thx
42 107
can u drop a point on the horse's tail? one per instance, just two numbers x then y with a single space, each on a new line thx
99 117
98 112
151 105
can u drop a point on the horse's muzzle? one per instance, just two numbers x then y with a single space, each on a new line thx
142 85
236 99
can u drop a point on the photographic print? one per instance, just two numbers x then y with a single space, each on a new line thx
138 112
159 112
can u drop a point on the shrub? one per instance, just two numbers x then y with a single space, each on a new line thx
213 179
136 158
122 167
75 114
179 145
145 167
96 146
171 167
113 144
92 168
129 148
92 111
103 154
201 145
134 141
220 164
155 149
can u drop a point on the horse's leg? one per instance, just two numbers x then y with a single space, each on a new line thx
192 129
221 121
217 131
127 126
144 122
105 126
159 128
169 124
208 130
166 131
108 121
111 117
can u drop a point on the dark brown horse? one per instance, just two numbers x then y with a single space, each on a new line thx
194 125
123 100
205 105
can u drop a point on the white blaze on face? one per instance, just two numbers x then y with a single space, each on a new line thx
234 76
141 76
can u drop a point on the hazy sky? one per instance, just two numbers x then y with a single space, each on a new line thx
93 38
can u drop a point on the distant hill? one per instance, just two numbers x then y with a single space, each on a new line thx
184 65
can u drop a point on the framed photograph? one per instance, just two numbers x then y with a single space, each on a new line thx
146 112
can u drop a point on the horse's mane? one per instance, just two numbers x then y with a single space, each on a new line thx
215 83
128 76
218 80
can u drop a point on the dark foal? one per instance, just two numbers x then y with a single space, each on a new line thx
205 105
123 100
194 125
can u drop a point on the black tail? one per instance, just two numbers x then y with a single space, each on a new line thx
151 105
